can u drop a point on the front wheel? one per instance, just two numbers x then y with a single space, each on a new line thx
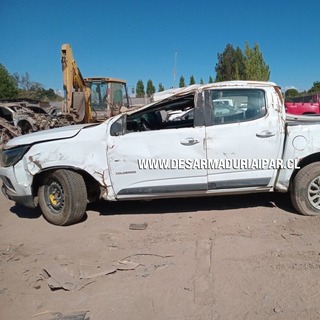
63 197
305 190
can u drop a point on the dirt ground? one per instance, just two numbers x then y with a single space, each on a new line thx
232 257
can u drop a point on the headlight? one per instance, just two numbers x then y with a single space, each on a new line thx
12 156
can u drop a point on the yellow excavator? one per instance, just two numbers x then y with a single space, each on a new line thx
90 99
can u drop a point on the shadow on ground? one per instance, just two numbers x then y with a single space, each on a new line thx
24 212
181 205
28 213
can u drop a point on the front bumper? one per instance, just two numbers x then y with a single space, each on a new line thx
17 185
26 200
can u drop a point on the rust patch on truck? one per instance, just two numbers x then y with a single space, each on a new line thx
104 187
36 162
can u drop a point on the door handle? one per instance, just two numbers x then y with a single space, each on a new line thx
189 141
265 134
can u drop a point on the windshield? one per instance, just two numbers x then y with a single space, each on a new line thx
108 96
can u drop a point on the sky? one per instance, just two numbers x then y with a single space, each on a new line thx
142 40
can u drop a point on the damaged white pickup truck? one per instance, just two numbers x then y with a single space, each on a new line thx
224 138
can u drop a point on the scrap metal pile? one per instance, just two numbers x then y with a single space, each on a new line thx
16 120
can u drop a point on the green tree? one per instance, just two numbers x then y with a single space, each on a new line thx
29 89
182 82
50 94
26 82
8 86
315 87
201 81
230 65
210 80
239 68
161 87
192 81
140 93
255 66
150 88
290 93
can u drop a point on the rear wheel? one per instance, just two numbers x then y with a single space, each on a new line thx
63 197
305 191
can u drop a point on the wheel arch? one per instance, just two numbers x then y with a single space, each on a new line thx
24 124
94 189
315 157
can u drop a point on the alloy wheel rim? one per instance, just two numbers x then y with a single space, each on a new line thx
314 193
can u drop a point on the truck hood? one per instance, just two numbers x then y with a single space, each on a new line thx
47 135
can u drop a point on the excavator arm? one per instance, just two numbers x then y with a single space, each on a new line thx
77 94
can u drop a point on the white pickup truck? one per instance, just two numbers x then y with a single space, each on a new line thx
247 146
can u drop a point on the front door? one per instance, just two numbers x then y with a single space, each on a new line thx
154 157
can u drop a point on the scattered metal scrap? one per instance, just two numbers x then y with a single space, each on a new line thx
7 131
138 226
58 277
16 120
89 271
20 118
73 315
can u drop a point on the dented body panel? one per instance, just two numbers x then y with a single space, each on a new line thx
57 149
225 121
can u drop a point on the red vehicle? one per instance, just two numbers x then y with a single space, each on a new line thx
307 104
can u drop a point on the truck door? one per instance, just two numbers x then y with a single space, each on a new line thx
245 133
148 157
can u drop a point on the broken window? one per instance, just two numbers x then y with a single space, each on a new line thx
6 114
169 114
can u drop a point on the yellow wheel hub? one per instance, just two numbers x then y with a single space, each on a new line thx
53 199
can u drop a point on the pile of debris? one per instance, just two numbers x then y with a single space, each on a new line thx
17 119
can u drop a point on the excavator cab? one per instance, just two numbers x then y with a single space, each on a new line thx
90 99
108 96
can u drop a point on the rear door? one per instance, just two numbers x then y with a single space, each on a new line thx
245 134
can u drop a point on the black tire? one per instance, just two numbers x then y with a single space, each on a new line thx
305 190
63 197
